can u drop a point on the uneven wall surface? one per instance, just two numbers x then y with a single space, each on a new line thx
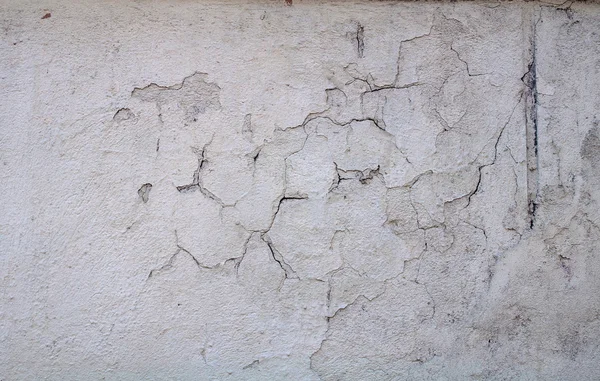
218 190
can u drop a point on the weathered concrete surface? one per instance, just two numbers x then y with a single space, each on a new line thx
211 190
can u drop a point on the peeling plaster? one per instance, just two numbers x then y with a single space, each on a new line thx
374 191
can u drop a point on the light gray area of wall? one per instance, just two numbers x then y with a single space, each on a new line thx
205 190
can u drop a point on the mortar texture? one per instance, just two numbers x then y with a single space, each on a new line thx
299 190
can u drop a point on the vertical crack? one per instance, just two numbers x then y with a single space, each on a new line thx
532 131
360 40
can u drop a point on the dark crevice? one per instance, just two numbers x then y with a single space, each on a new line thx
532 132
285 198
144 192
196 184
277 257
360 40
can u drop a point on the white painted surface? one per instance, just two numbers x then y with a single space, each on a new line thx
211 190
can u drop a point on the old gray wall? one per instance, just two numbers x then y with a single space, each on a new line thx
218 190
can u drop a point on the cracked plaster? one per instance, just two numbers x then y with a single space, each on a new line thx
306 190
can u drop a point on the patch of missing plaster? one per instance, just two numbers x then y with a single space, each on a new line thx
144 192
123 114
364 177
590 148
194 96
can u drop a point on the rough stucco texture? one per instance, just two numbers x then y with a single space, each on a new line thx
195 190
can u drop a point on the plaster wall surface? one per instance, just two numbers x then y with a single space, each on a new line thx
335 190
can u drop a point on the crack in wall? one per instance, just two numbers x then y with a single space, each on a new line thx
360 40
236 261
349 210
197 184
531 128
479 169
363 176
277 257
465 63
169 264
